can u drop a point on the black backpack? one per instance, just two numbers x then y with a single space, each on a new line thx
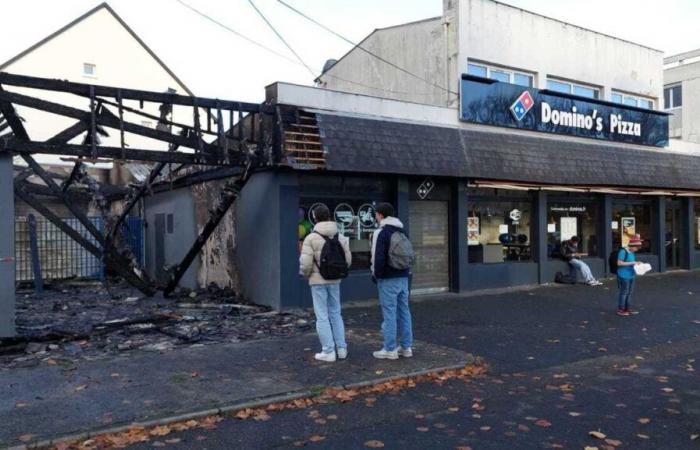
612 259
332 264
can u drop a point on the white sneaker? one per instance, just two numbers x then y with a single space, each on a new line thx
327 357
405 352
595 283
342 353
385 354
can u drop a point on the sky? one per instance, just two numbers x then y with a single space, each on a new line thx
214 62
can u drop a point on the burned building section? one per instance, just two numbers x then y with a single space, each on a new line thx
196 160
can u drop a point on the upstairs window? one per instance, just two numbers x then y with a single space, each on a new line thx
631 100
501 74
673 96
567 87
89 70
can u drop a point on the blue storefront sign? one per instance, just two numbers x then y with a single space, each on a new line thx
501 104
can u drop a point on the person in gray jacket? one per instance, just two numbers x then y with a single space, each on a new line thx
325 293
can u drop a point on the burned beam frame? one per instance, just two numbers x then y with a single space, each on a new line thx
223 160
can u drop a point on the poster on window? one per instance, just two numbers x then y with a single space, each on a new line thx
628 230
568 227
697 226
472 231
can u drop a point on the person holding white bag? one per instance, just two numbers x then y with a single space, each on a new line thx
626 274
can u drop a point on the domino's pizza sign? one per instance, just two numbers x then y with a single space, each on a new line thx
522 105
490 102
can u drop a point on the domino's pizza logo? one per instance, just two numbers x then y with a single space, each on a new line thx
522 105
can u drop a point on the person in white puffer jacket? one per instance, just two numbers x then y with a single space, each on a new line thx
325 293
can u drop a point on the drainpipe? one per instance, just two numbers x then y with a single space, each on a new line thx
446 33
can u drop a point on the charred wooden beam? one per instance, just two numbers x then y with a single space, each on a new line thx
69 133
105 118
228 196
126 94
199 177
18 146
115 261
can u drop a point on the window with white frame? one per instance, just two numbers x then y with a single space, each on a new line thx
568 87
501 74
631 100
89 70
673 96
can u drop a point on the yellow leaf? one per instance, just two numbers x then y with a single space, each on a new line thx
644 420
590 448
597 434
26 437
374 444
613 442
160 431
316 438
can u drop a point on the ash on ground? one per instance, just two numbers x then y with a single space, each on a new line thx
72 322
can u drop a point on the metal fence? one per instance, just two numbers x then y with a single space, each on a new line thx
60 256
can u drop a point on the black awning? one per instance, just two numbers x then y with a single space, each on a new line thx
381 146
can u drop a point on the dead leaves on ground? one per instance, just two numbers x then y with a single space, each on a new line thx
136 435
374 444
139 434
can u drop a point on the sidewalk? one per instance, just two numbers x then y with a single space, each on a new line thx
47 402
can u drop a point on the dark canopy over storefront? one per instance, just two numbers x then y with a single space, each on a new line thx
383 146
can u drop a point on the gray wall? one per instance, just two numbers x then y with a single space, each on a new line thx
418 47
686 118
180 204
7 249
257 216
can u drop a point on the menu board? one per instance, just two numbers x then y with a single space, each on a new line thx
628 230
569 228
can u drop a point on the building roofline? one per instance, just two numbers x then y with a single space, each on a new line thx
681 56
577 26
359 44
71 24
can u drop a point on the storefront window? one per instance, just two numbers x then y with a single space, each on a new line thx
630 218
499 226
351 201
569 217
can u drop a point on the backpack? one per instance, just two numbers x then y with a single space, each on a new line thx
612 259
400 255
332 264
563 278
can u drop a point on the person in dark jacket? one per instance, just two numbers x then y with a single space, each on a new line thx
569 251
392 285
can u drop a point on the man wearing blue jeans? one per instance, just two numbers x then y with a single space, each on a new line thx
625 275
392 284
325 293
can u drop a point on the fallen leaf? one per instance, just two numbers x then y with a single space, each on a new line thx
574 414
485 428
642 436
332 417
590 448
613 442
374 444
453 409
597 434
543 423
201 438
160 431
694 436
20 405
422 429
667 390
440 426
159 444
524 428
26 437
316 438
173 440
644 420
81 387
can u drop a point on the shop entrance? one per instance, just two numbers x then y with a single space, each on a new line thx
429 232
673 234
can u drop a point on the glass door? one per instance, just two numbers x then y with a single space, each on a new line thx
673 234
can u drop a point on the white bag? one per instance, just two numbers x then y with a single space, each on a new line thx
641 269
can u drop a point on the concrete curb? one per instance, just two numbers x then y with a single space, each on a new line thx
225 409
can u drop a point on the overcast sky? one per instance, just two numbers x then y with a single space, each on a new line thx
214 62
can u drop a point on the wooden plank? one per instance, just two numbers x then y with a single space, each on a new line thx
299 133
294 141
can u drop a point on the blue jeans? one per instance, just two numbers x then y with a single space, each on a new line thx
329 322
578 265
393 298
626 286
